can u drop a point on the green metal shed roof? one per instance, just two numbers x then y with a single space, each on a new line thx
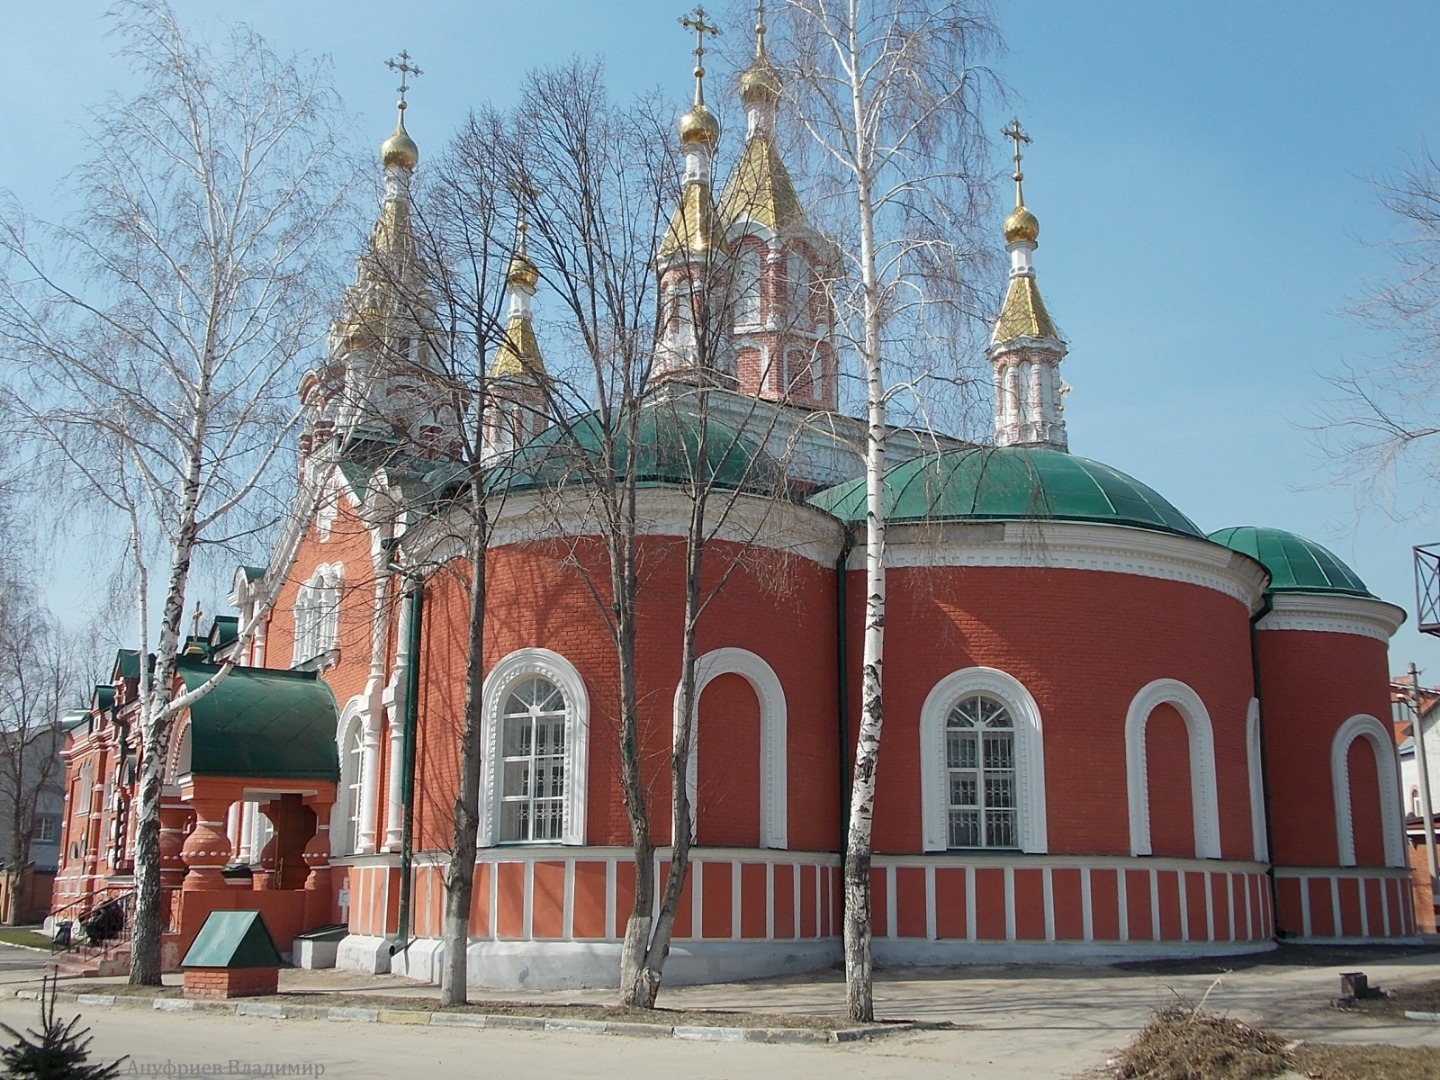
262 722
1010 483
1296 565
671 445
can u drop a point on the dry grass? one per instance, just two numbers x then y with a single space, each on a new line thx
1184 1042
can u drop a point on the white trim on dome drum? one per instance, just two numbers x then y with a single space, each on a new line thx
1203 798
1334 613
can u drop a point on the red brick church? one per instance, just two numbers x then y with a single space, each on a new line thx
1108 734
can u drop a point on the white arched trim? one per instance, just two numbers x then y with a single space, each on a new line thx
1203 799
180 755
522 664
1031 828
774 738
351 718
1254 766
1387 772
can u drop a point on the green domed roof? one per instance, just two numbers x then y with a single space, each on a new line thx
1011 483
1296 565
671 442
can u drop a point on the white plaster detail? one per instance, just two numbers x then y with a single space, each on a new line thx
1254 767
1031 827
1387 772
1067 545
774 738
521 664
1203 798
1332 614
351 719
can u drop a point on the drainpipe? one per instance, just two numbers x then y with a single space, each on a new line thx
415 595
842 664
1266 606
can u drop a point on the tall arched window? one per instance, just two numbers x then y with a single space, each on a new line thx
317 614
353 771
532 794
537 751
747 285
982 764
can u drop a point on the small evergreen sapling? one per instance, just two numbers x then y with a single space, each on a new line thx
56 1052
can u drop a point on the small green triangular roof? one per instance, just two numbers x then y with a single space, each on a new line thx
262 722
1296 565
233 939
1010 483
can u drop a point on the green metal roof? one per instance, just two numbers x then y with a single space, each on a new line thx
1296 565
127 663
1010 483
233 939
262 722
671 445
103 697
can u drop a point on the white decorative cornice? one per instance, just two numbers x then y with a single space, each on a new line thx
772 524
1331 613
1113 549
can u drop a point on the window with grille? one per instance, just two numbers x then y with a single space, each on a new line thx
980 764
532 745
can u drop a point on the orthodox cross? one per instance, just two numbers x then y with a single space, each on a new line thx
406 69
1014 133
701 28
760 28
196 618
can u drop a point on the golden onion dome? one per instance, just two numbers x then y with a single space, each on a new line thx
699 125
1021 225
399 148
759 82
522 272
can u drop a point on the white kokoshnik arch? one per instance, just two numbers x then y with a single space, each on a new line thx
1259 838
522 664
774 737
1204 801
1032 831
1387 772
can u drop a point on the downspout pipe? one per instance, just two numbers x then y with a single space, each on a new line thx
842 689
1267 605
415 595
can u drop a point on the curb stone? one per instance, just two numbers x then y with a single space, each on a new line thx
635 1029
1416 1014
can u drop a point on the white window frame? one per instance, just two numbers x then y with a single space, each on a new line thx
1259 839
505 675
749 267
47 823
317 614
774 739
352 789
1204 802
1031 827
1387 772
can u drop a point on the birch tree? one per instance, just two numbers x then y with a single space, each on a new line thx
1382 416
162 329
890 92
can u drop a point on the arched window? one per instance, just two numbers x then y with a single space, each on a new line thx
982 764
980 767
747 285
1205 806
1387 776
797 291
537 749
532 790
317 614
352 768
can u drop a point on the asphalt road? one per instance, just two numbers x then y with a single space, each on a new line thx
1016 1022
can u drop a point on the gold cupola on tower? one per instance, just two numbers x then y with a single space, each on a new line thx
399 148
699 125
760 82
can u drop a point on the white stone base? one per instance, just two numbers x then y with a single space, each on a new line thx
360 952
314 954
572 965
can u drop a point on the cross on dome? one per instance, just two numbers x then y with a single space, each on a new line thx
701 28
406 69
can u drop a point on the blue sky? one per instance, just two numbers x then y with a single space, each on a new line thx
1203 175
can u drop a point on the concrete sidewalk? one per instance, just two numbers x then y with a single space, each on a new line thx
1018 1020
